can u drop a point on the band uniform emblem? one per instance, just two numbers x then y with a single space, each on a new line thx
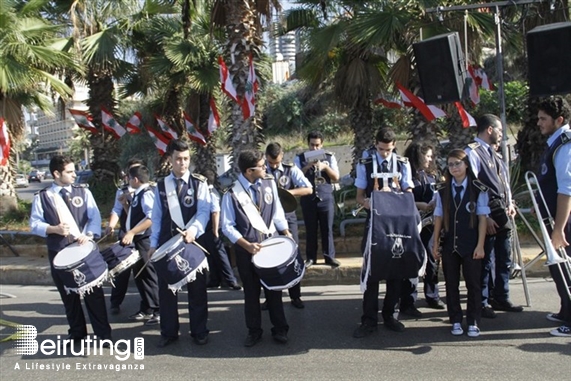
544 169
284 181
268 195
135 202
398 248
471 207
77 202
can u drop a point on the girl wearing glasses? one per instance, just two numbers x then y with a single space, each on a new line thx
460 226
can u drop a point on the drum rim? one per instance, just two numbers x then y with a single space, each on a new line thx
291 257
160 254
80 260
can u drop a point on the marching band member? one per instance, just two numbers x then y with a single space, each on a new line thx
288 177
460 212
194 205
555 183
252 212
82 223
319 207
424 177
383 157
488 168
218 260
146 282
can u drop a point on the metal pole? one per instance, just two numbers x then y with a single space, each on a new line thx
466 58
501 93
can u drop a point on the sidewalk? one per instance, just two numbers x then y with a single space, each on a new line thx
32 268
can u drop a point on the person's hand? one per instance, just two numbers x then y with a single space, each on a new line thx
558 240
254 248
479 253
511 210
149 254
436 252
83 239
62 229
109 230
189 236
491 226
128 239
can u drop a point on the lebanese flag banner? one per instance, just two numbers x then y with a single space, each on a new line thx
159 139
134 124
409 99
193 133
467 119
474 86
111 125
249 99
166 130
484 81
83 120
4 142
226 80
214 118
393 103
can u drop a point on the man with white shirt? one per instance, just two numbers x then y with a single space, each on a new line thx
194 209
84 224
555 182
251 213
489 169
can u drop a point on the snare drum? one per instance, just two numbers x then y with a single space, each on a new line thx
278 264
120 258
177 262
80 267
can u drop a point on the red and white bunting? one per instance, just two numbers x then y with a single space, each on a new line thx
483 80
193 133
430 112
159 139
392 103
226 80
474 87
134 124
83 119
4 143
213 118
111 125
467 119
249 100
165 129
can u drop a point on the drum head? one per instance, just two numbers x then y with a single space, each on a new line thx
288 201
275 252
72 254
166 247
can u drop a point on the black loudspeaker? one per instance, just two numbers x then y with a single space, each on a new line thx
441 68
549 59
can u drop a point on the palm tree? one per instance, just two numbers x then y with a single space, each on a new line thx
30 59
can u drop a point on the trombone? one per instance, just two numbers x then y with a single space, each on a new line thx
555 256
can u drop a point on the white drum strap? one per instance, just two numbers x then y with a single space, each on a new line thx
128 227
63 213
173 202
366 266
251 211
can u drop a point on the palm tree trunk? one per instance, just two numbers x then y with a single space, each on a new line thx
363 130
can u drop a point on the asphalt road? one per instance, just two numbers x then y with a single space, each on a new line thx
27 194
514 346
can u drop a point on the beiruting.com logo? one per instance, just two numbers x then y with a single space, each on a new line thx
27 345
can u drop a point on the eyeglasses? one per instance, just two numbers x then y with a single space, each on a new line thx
455 164
262 167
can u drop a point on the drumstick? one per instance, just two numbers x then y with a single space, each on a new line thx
142 268
183 233
272 244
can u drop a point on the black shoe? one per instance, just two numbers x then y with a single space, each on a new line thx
165 341
234 286
201 340
332 262
114 310
154 320
252 339
364 330
264 305
436 304
309 263
411 311
394 325
212 285
297 303
280 337
505 306
488 312
140 316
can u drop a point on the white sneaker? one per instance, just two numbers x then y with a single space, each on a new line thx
563 331
457 329
554 317
473 331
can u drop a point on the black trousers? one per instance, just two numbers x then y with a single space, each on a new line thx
318 214
197 308
559 273
147 282
371 301
218 260
94 304
252 288
452 264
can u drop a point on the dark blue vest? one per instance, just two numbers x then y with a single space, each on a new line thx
461 237
123 215
188 198
137 213
267 210
324 191
368 162
492 172
422 190
56 242
284 180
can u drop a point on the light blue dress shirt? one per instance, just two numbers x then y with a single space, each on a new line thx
405 181
334 166
482 207
562 162
298 179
